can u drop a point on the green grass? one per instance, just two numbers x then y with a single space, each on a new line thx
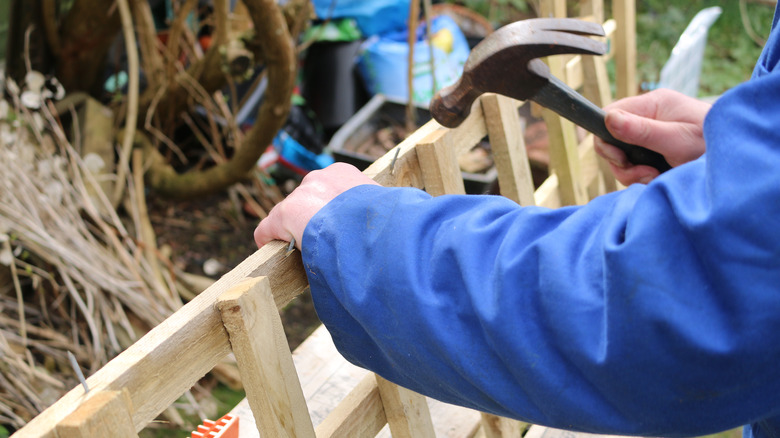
730 53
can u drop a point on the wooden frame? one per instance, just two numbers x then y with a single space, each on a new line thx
140 383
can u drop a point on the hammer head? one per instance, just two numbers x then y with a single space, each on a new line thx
505 62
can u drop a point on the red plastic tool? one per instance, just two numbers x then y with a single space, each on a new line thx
225 427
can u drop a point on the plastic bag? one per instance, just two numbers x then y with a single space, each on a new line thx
373 17
383 61
681 72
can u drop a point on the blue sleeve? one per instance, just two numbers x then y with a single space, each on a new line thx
651 311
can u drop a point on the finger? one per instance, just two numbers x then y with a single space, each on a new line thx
645 105
611 153
663 104
665 138
623 171
271 228
634 174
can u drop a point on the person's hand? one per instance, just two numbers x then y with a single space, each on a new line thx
665 121
289 218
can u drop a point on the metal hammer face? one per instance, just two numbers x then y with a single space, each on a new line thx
505 63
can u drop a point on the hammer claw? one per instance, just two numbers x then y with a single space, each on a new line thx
500 63
505 62
579 27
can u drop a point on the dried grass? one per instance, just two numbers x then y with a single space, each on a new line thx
71 278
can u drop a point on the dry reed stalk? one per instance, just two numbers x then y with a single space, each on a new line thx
81 286
132 98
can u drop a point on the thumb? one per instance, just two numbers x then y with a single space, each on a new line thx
649 133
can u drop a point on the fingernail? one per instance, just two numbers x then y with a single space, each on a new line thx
617 123
613 156
646 179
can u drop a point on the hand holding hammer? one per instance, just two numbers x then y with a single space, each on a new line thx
505 62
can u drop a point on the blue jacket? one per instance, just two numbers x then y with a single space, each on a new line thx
651 311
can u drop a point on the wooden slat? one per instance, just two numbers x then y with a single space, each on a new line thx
359 415
597 90
326 378
508 147
264 359
191 339
563 156
439 165
552 8
548 195
573 74
406 411
406 172
593 8
105 415
609 29
561 132
494 426
624 13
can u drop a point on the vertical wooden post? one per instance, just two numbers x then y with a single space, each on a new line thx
596 86
360 414
406 411
552 8
594 8
624 12
596 89
501 427
264 359
439 165
508 146
564 157
107 413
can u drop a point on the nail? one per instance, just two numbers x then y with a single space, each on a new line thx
77 369
395 157
291 245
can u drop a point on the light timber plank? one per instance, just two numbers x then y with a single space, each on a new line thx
592 179
563 156
548 195
406 411
359 415
594 9
596 88
326 378
573 74
561 132
264 359
105 415
552 8
439 165
508 146
406 172
537 431
624 13
494 426
191 339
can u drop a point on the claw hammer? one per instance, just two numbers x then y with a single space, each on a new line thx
506 62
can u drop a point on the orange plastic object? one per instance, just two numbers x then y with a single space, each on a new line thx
225 427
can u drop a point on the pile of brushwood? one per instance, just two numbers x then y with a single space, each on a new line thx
81 272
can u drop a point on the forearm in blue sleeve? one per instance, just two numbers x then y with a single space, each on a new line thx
652 311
